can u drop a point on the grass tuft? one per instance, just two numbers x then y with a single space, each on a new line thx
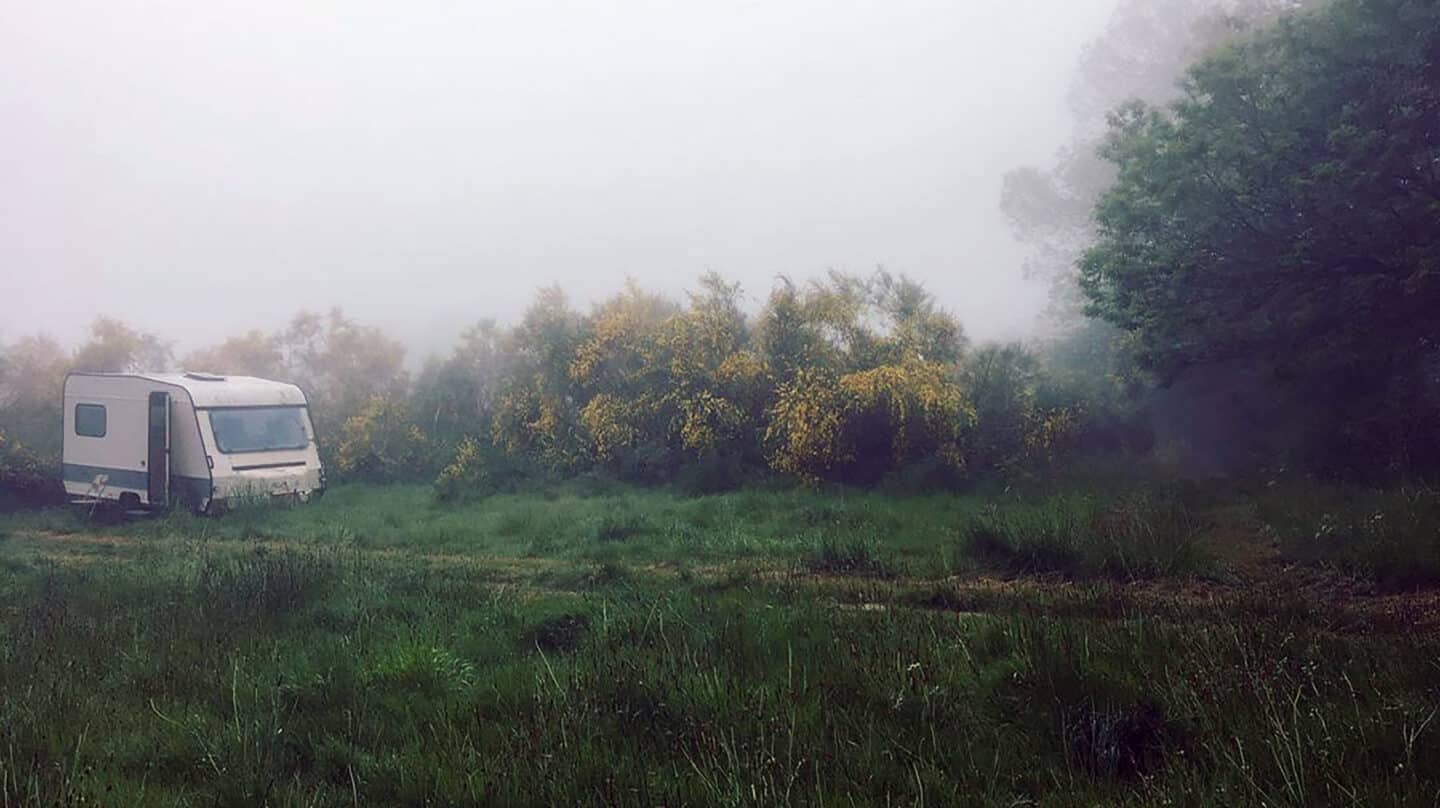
1388 537
1129 743
853 556
559 633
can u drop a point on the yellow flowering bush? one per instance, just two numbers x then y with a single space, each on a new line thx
708 422
540 427
917 406
465 470
381 442
862 425
806 430
613 423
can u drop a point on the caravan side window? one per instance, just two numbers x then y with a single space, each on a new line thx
90 420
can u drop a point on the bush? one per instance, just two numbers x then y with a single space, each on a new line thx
382 444
25 479
860 426
479 469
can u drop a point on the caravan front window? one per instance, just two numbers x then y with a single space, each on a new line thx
258 429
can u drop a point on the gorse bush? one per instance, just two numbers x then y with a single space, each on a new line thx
849 379
381 443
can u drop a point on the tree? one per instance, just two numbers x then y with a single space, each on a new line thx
456 396
919 330
1283 212
32 375
537 411
788 340
341 365
254 353
116 347
847 322
1142 55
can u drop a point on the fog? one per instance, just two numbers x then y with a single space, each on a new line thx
200 169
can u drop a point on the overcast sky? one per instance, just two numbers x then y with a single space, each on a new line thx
199 169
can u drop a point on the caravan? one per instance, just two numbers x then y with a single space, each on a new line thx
197 439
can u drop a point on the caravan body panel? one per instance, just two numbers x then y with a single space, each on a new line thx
108 465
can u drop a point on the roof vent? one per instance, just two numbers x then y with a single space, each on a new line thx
205 377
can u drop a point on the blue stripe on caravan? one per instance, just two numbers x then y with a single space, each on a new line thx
192 489
120 478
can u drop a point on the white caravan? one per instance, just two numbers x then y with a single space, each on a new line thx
197 439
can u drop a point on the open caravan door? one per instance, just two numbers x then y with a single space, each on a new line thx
158 450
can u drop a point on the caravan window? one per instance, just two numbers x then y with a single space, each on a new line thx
90 420
259 429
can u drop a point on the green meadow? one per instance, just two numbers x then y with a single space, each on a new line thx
607 645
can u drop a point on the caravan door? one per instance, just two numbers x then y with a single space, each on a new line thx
158 460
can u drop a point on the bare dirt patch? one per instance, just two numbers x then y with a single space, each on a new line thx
78 539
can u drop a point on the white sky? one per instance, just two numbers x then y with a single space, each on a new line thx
200 169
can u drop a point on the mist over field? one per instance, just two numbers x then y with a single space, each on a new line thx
777 404
204 169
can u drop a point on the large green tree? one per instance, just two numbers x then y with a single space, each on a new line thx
1285 212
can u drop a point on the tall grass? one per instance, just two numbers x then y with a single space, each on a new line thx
320 677
1390 537
646 648
1120 535
1135 535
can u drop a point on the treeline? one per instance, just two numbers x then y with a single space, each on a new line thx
1247 276
847 379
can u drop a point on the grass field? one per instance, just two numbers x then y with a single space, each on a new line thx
1180 647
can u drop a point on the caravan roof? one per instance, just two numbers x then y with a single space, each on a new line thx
210 390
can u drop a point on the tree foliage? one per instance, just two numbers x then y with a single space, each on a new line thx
381 443
1283 211
847 378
